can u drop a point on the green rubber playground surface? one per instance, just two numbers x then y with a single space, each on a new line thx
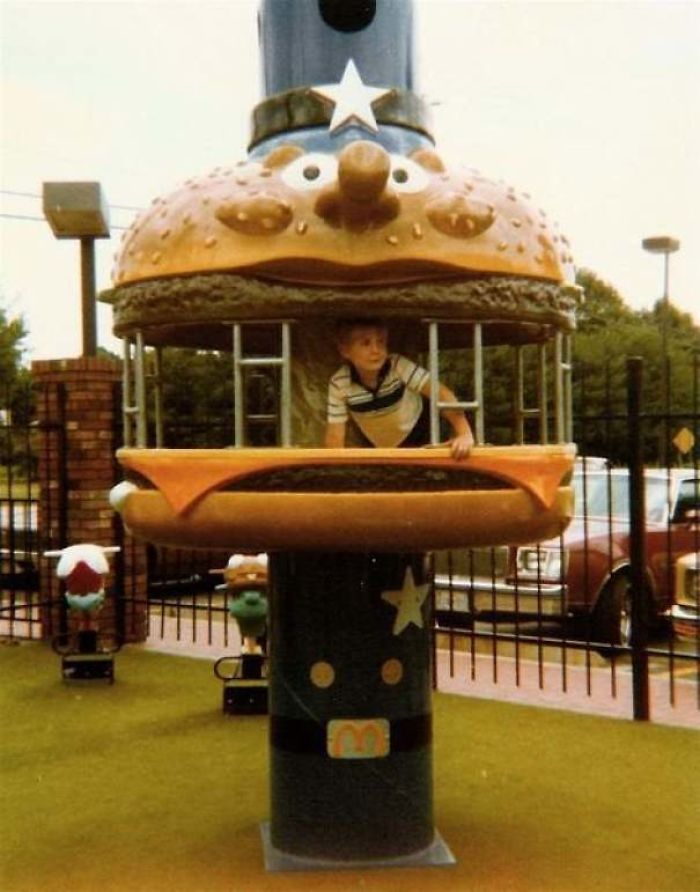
146 785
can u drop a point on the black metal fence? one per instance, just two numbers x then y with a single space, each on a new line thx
585 622
580 623
19 546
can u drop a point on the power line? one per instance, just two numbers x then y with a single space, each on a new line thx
17 194
19 216
42 220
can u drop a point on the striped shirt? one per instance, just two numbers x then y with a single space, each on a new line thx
386 415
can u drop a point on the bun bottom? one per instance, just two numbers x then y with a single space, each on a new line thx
349 522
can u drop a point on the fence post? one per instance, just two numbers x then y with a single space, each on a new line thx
640 657
76 471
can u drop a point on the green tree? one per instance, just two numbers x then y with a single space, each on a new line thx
12 333
602 304
16 394
16 400
608 333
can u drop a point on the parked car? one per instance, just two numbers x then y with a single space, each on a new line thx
685 613
586 571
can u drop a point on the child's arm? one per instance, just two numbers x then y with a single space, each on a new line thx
336 419
335 435
463 439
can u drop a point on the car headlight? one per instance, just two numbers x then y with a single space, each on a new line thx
540 562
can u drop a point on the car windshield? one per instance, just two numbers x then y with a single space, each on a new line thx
607 495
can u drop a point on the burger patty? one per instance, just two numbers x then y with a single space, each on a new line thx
357 478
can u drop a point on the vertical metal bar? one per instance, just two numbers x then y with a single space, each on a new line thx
519 396
665 456
118 573
286 388
140 369
479 382
558 388
568 389
542 393
238 397
158 395
127 425
640 657
62 507
434 369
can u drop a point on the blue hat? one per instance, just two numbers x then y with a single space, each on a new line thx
335 71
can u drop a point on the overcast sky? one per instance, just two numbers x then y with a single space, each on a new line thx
589 105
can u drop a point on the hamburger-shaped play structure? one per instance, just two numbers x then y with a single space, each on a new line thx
344 209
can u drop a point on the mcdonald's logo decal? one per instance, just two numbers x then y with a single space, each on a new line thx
358 738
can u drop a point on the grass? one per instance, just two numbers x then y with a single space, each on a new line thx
145 785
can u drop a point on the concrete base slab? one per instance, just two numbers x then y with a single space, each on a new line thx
436 855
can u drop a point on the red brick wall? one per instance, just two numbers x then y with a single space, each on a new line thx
77 416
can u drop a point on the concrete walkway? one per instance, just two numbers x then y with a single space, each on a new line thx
604 688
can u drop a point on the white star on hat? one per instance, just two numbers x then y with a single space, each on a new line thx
408 602
352 99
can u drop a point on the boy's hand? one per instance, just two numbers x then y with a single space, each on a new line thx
461 446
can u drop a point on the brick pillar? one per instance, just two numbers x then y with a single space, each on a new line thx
80 431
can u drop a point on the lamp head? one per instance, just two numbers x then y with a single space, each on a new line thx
76 210
661 244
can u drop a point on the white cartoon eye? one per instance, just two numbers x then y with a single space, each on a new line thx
407 176
311 171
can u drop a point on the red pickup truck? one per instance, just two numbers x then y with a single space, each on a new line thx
586 571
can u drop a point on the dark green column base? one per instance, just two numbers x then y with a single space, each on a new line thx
350 706
437 854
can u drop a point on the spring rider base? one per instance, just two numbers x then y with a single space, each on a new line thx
83 658
245 685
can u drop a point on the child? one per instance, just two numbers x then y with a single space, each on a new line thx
385 394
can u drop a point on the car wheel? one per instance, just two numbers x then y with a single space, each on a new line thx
612 623
612 617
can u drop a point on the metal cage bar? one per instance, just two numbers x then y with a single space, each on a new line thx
238 396
140 392
542 395
477 404
538 412
127 408
134 416
242 362
562 388
157 376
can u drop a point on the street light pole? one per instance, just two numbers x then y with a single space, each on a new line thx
666 245
88 295
79 211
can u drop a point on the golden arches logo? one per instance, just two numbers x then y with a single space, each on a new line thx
358 738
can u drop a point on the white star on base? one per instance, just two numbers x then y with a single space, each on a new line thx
352 99
408 602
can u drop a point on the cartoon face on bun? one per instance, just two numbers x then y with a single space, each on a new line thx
361 216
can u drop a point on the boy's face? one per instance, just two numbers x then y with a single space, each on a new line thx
366 348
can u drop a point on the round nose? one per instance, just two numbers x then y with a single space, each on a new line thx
363 171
